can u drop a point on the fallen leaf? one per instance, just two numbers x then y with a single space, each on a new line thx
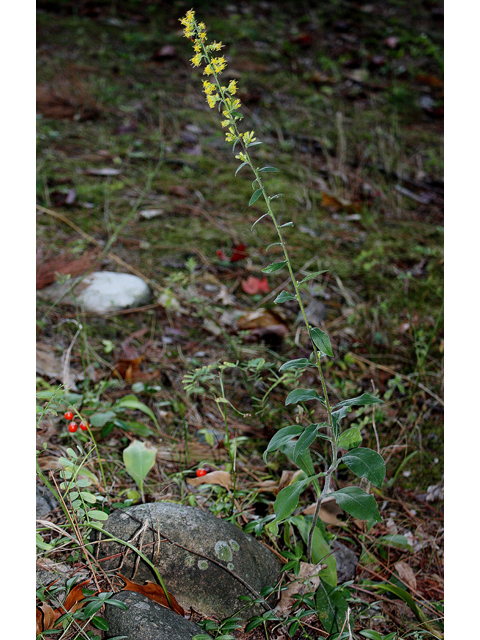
259 318
128 368
50 366
155 592
306 581
48 269
339 204
254 285
329 510
221 254
239 253
221 478
46 617
406 575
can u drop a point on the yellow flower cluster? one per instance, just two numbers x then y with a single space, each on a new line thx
214 92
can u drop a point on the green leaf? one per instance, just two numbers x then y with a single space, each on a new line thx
400 593
97 515
312 275
366 463
268 169
350 438
134 427
255 197
308 436
88 497
275 266
357 503
138 461
300 363
41 544
287 224
302 395
287 499
283 296
100 419
274 244
331 607
395 540
240 166
258 220
321 341
92 607
281 437
320 547
253 144
364 399
100 623
371 634
131 402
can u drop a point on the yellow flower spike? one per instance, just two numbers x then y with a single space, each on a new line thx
208 87
208 71
212 100
248 137
232 87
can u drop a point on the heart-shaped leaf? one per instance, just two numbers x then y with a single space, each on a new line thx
138 461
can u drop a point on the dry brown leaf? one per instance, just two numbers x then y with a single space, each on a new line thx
46 616
406 575
307 580
52 367
155 592
47 270
258 319
338 204
287 478
221 478
328 511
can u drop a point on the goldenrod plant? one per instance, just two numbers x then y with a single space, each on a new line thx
295 440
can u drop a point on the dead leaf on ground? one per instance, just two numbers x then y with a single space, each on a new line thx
287 478
221 478
66 99
329 511
50 366
154 592
307 580
259 318
46 616
254 285
48 269
339 204
406 575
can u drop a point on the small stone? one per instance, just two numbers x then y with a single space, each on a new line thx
346 561
144 619
101 292
45 502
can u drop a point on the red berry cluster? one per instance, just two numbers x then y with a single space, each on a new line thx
72 426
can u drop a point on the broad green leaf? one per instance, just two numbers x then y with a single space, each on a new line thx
300 363
283 296
308 436
322 341
275 266
340 414
399 592
100 623
350 438
302 395
41 544
281 437
366 463
135 427
92 607
304 460
100 419
268 169
312 275
395 540
240 166
255 197
371 634
138 460
364 399
88 497
131 402
97 515
287 499
320 547
357 503
331 607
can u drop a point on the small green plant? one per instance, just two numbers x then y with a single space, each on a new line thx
296 441
138 460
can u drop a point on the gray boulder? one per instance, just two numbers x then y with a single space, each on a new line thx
209 566
45 502
144 619
102 291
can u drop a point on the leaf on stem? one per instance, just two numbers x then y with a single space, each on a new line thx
331 607
301 395
364 399
268 169
281 437
283 296
350 438
321 341
275 266
300 363
308 436
258 220
138 460
255 197
240 166
366 463
312 275
357 503
287 500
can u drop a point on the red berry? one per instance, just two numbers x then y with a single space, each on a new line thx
68 415
201 472
72 427
84 426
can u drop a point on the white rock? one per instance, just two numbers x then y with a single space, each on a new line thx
103 291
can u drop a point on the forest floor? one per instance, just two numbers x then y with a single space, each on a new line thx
347 99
